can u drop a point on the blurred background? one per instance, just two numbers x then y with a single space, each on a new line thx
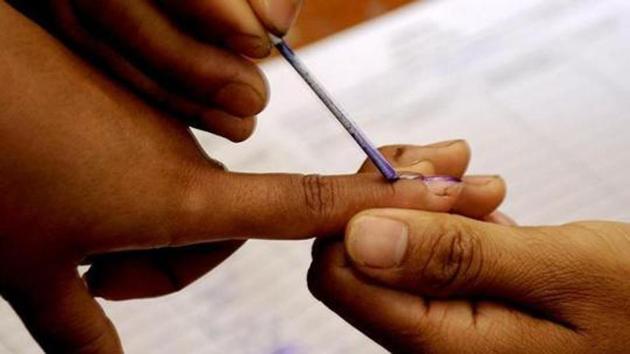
320 18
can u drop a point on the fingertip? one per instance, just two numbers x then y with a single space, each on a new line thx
449 158
278 16
233 128
198 71
481 196
241 99
494 183
250 45
462 149
377 242
231 23
454 156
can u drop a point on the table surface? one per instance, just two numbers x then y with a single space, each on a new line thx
321 18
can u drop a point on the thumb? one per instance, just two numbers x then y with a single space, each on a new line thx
277 15
448 256
63 317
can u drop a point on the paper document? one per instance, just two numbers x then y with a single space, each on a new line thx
540 89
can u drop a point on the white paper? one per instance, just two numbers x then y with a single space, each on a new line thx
540 88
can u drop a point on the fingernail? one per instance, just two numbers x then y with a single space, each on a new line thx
481 180
443 186
250 45
377 242
239 99
281 14
422 167
409 155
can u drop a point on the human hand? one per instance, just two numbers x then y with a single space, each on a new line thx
418 282
89 174
187 56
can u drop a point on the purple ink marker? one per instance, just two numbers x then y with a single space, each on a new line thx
351 127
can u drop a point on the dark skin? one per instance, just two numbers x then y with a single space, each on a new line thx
91 174
191 58
456 285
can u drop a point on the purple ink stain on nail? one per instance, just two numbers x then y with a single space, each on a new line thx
428 179
448 179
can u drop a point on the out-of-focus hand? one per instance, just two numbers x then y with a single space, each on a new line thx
90 174
188 56
419 282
